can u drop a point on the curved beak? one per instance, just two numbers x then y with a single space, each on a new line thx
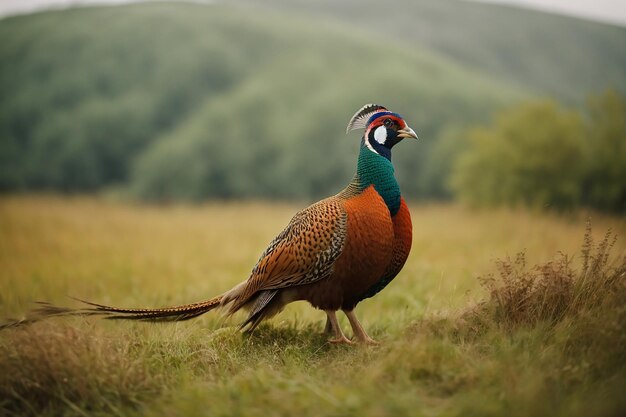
407 132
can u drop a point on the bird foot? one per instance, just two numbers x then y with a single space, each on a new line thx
359 333
341 340
368 341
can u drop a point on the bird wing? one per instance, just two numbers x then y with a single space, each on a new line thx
304 252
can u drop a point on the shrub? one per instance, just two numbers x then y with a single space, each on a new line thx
522 295
532 155
605 184
543 155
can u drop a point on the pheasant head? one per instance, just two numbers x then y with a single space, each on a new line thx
383 128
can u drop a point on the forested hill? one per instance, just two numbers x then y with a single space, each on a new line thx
191 101
542 53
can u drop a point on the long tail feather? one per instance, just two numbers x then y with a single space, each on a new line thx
177 313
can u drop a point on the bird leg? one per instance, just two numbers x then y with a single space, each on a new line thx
357 329
334 324
328 328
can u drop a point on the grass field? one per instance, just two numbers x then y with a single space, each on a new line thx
442 352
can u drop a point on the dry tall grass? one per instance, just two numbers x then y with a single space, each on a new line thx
52 367
522 295
540 340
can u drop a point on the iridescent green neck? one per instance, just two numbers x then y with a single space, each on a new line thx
376 170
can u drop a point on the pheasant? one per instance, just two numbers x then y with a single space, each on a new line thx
333 254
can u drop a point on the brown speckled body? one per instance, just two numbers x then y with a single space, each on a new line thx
367 252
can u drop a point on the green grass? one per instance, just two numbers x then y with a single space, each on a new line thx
449 345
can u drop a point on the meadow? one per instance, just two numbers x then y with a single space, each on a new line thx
451 343
169 133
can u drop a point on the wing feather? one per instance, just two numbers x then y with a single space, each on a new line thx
302 253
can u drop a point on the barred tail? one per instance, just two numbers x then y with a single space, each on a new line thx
178 313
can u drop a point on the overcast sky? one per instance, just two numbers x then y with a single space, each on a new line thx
603 10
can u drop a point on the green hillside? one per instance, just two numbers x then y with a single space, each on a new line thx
543 53
188 101
191 101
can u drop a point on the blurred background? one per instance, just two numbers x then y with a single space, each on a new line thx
168 101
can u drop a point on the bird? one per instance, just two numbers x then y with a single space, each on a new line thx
333 254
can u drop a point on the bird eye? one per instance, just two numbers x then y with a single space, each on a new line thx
388 122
